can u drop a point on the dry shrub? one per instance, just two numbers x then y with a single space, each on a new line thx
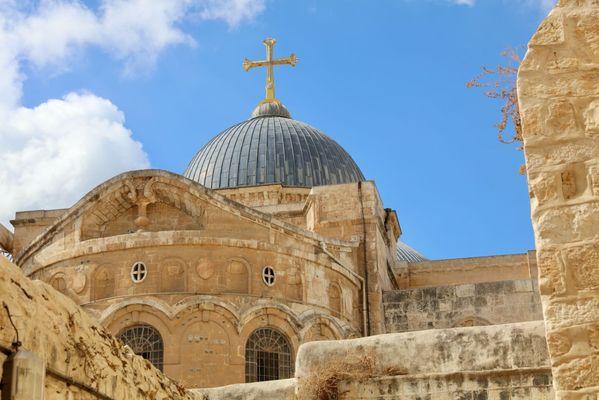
323 382
500 84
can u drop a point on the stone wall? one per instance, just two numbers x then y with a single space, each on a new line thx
487 303
493 363
457 271
203 292
82 360
558 89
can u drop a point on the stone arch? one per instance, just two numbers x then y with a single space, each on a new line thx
59 282
140 313
108 315
224 308
144 340
269 309
273 316
334 298
268 355
211 331
173 275
103 282
319 331
236 277
320 327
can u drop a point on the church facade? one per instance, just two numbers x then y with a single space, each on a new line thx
271 238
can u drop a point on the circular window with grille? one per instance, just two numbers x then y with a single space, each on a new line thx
268 276
139 271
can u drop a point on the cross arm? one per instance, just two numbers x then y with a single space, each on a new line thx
291 60
247 64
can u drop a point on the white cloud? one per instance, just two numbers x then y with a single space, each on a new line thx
55 152
543 5
463 2
50 155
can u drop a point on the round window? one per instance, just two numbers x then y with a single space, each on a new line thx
268 276
138 272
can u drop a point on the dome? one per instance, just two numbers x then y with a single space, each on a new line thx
406 253
272 148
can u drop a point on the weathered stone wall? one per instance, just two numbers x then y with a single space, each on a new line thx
488 303
493 363
355 212
457 271
283 389
512 385
558 89
203 291
74 345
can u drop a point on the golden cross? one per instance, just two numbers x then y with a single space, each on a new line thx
269 63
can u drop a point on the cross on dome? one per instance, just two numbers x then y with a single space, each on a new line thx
269 63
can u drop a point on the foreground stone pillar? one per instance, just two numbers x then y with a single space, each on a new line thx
558 89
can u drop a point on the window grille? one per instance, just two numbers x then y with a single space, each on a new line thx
145 341
267 356
268 276
138 272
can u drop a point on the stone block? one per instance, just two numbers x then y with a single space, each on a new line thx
582 262
465 290
591 118
563 225
578 374
550 32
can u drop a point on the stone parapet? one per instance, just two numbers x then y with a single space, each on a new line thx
437 351
283 389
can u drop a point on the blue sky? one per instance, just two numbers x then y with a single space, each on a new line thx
386 79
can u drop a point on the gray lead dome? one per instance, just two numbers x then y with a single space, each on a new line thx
272 148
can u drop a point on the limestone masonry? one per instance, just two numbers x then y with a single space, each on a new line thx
271 269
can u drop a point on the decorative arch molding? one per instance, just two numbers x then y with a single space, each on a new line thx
236 276
276 321
152 305
59 282
219 306
335 296
271 309
144 314
173 274
341 329
102 282
169 311
146 186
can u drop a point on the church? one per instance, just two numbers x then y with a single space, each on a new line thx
271 238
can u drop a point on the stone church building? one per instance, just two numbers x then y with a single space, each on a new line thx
271 238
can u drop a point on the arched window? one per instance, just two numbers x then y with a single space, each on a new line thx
145 341
267 356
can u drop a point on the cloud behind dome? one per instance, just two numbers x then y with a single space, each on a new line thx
53 153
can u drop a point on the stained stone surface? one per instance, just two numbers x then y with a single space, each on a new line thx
53 327
485 303
558 88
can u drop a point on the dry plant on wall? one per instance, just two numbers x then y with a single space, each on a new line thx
323 383
500 84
